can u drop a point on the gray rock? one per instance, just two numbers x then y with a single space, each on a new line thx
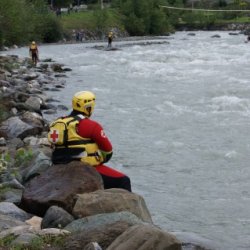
145 237
2 142
14 183
216 36
32 118
34 102
104 235
39 164
111 200
24 239
15 127
30 76
101 220
56 217
7 222
4 83
7 208
12 195
92 246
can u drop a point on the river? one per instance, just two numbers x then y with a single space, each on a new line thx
178 115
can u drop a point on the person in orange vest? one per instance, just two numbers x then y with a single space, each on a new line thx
33 51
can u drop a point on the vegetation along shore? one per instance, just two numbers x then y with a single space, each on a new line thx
23 21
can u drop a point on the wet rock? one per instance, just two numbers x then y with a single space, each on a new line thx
215 36
56 67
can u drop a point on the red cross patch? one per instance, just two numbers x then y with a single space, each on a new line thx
54 135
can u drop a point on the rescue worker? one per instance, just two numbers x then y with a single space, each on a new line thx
110 39
33 51
87 142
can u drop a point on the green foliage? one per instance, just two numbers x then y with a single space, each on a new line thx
222 3
50 28
134 25
62 3
158 22
24 20
91 20
1 36
3 191
143 16
199 20
43 242
4 162
6 240
23 156
101 17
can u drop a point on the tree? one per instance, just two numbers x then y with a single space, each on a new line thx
101 17
25 20
143 16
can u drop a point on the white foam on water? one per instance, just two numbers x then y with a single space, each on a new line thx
230 103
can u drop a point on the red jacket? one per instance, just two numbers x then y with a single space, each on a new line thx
88 128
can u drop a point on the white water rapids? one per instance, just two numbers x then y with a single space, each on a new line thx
178 116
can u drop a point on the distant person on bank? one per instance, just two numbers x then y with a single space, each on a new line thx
85 141
110 39
33 51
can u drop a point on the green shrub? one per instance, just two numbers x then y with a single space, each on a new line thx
134 25
51 30
22 21
23 156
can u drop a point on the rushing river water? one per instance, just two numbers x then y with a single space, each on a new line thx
178 116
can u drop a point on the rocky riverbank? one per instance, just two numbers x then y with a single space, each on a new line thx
63 206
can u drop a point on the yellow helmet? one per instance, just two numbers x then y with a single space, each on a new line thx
33 43
84 101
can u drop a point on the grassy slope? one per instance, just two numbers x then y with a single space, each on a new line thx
86 20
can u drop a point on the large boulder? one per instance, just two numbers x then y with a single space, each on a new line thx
145 237
59 185
109 201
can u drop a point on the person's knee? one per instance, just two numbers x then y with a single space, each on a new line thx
126 184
